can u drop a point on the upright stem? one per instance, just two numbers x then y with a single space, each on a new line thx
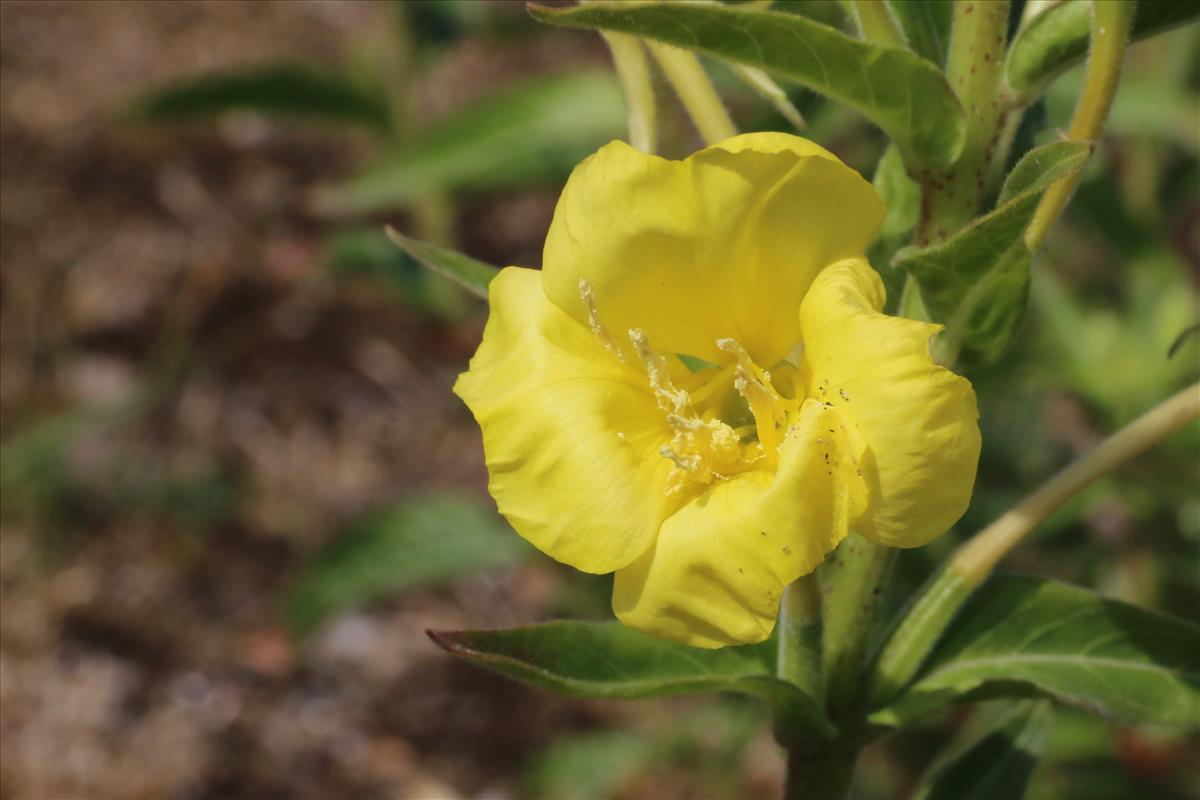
1111 23
634 74
974 67
799 656
852 584
686 75
974 561
821 770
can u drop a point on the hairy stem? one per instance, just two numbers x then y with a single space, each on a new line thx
799 655
974 67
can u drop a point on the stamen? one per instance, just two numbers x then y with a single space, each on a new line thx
754 384
588 295
670 398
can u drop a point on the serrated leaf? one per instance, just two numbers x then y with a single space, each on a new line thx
609 660
416 542
899 91
462 269
977 281
534 131
926 26
996 759
1058 37
294 90
1022 636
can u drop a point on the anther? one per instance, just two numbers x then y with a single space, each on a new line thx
588 295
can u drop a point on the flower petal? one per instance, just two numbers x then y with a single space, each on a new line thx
722 244
919 419
570 434
717 571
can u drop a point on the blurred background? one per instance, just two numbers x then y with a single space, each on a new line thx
236 487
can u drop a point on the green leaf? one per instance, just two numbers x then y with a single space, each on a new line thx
1058 37
902 199
594 764
368 252
292 90
996 759
977 281
609 660
532 132
926 25
899 91
463 270
416 542
1023 636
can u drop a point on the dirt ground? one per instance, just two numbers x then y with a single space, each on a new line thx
174 274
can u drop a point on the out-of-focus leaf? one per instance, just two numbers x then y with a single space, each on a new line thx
977 281
926 25
899 91
1022 636
463 270
287 89
534 131
419 541
609 660
589 765
368 251
996 761
1058 37
902 198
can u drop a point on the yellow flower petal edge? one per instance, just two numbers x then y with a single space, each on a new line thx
717 571
570 435
724 240
918 418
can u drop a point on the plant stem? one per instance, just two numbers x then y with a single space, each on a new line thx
852 583
979 556
877 24
821 770
975 560
634 74
686 75
799 656
974 67
1111 23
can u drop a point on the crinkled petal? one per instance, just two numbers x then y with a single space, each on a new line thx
918 419
570 434
717 571
722 244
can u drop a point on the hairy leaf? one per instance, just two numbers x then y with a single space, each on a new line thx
977 281
463 270
419 541
609 660
535 131
286 89
1022 636
1058 37
997 758
899 91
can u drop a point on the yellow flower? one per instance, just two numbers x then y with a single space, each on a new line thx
805 413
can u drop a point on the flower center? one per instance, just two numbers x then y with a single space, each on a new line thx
725 418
